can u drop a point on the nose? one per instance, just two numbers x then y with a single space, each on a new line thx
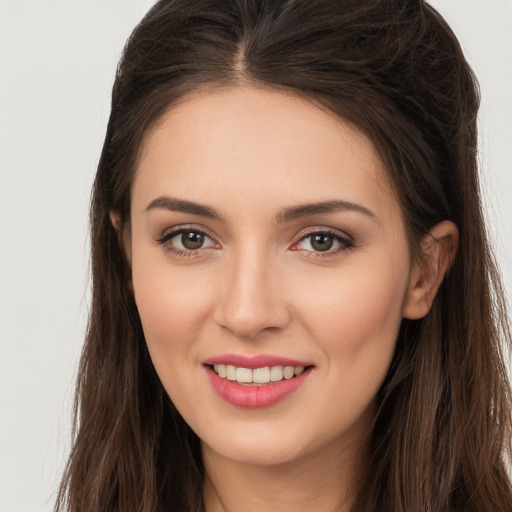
252 299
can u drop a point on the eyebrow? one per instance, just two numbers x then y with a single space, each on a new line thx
333 206
181 205
285 215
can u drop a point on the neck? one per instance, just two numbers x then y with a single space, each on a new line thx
325 480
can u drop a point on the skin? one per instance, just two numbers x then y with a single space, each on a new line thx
259 286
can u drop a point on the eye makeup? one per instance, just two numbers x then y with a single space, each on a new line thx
321 242
186 241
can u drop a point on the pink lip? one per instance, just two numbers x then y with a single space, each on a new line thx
260 361
253 397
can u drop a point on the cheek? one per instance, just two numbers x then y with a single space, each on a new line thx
172 307
356 322
355 326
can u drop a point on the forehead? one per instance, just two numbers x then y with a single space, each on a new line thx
260 144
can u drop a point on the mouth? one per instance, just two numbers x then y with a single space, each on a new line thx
257 376
256 382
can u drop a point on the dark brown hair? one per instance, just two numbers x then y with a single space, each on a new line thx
393 68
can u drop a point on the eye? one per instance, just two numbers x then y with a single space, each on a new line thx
186 241
327 241
190 240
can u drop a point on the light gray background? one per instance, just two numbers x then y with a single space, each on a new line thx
57 62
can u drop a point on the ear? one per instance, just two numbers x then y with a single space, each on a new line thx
115 219
439 248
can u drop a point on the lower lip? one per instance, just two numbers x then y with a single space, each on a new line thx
255 397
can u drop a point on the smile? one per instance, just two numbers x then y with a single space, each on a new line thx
256 382
257 376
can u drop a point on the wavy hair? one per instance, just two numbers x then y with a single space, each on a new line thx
395 70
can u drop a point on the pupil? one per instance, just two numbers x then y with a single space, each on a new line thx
322 242
192 240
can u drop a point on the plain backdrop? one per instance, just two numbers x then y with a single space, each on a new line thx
57 62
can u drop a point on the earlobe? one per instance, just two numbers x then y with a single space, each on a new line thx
439 249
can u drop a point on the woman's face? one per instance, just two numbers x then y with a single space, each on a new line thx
266 241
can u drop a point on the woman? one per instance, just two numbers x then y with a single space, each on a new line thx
294 302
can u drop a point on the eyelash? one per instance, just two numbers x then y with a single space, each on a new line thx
182 253
346 243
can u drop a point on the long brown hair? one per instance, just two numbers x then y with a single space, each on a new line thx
393 68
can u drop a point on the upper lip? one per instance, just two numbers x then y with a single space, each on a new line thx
259 361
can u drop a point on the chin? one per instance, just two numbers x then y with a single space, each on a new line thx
260 446
258 456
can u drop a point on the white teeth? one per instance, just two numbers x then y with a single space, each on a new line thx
261 375
258 375
276 373
230 372
288 372
243 375
221 370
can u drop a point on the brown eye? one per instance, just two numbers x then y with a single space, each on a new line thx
192 240
186 241
322 242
